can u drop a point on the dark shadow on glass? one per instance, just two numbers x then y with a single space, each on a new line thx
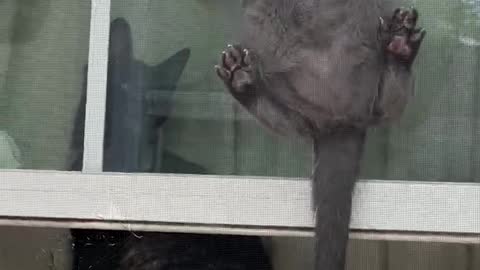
138 104
29 19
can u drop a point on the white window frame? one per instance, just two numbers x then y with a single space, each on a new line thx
388 210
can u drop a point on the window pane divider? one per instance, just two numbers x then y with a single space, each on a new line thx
96 86
233 202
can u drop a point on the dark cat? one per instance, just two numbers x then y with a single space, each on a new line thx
135 113
158 251
326 70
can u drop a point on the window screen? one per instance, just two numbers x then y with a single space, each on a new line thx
177 116
43 46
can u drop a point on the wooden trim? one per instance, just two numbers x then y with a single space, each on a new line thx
233 201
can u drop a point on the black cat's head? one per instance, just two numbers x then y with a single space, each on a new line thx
120 46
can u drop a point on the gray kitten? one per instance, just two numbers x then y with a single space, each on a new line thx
326 70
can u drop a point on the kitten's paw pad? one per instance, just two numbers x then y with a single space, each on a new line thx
235 67
400 36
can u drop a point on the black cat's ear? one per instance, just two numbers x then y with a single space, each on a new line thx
120 46
162 81
166 74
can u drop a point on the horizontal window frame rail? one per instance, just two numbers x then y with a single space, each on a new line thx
230 230
233 203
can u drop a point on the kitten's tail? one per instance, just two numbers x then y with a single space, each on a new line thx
336 169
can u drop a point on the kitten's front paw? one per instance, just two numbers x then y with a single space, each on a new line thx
400 36
236 69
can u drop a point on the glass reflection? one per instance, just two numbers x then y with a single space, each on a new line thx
42 52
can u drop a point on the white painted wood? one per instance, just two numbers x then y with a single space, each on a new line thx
234 201
96 85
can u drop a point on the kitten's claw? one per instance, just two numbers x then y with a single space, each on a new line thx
247 60
381 22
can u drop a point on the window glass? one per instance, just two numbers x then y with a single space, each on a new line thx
175 115
437 137
43 49
168 112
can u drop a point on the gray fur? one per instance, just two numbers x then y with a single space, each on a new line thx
326 70
320 47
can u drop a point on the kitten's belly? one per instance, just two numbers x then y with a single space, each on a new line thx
341 83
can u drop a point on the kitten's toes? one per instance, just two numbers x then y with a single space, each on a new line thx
403 38
232 57
230 61
235 67
404 19
223 73
417 35
247 58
